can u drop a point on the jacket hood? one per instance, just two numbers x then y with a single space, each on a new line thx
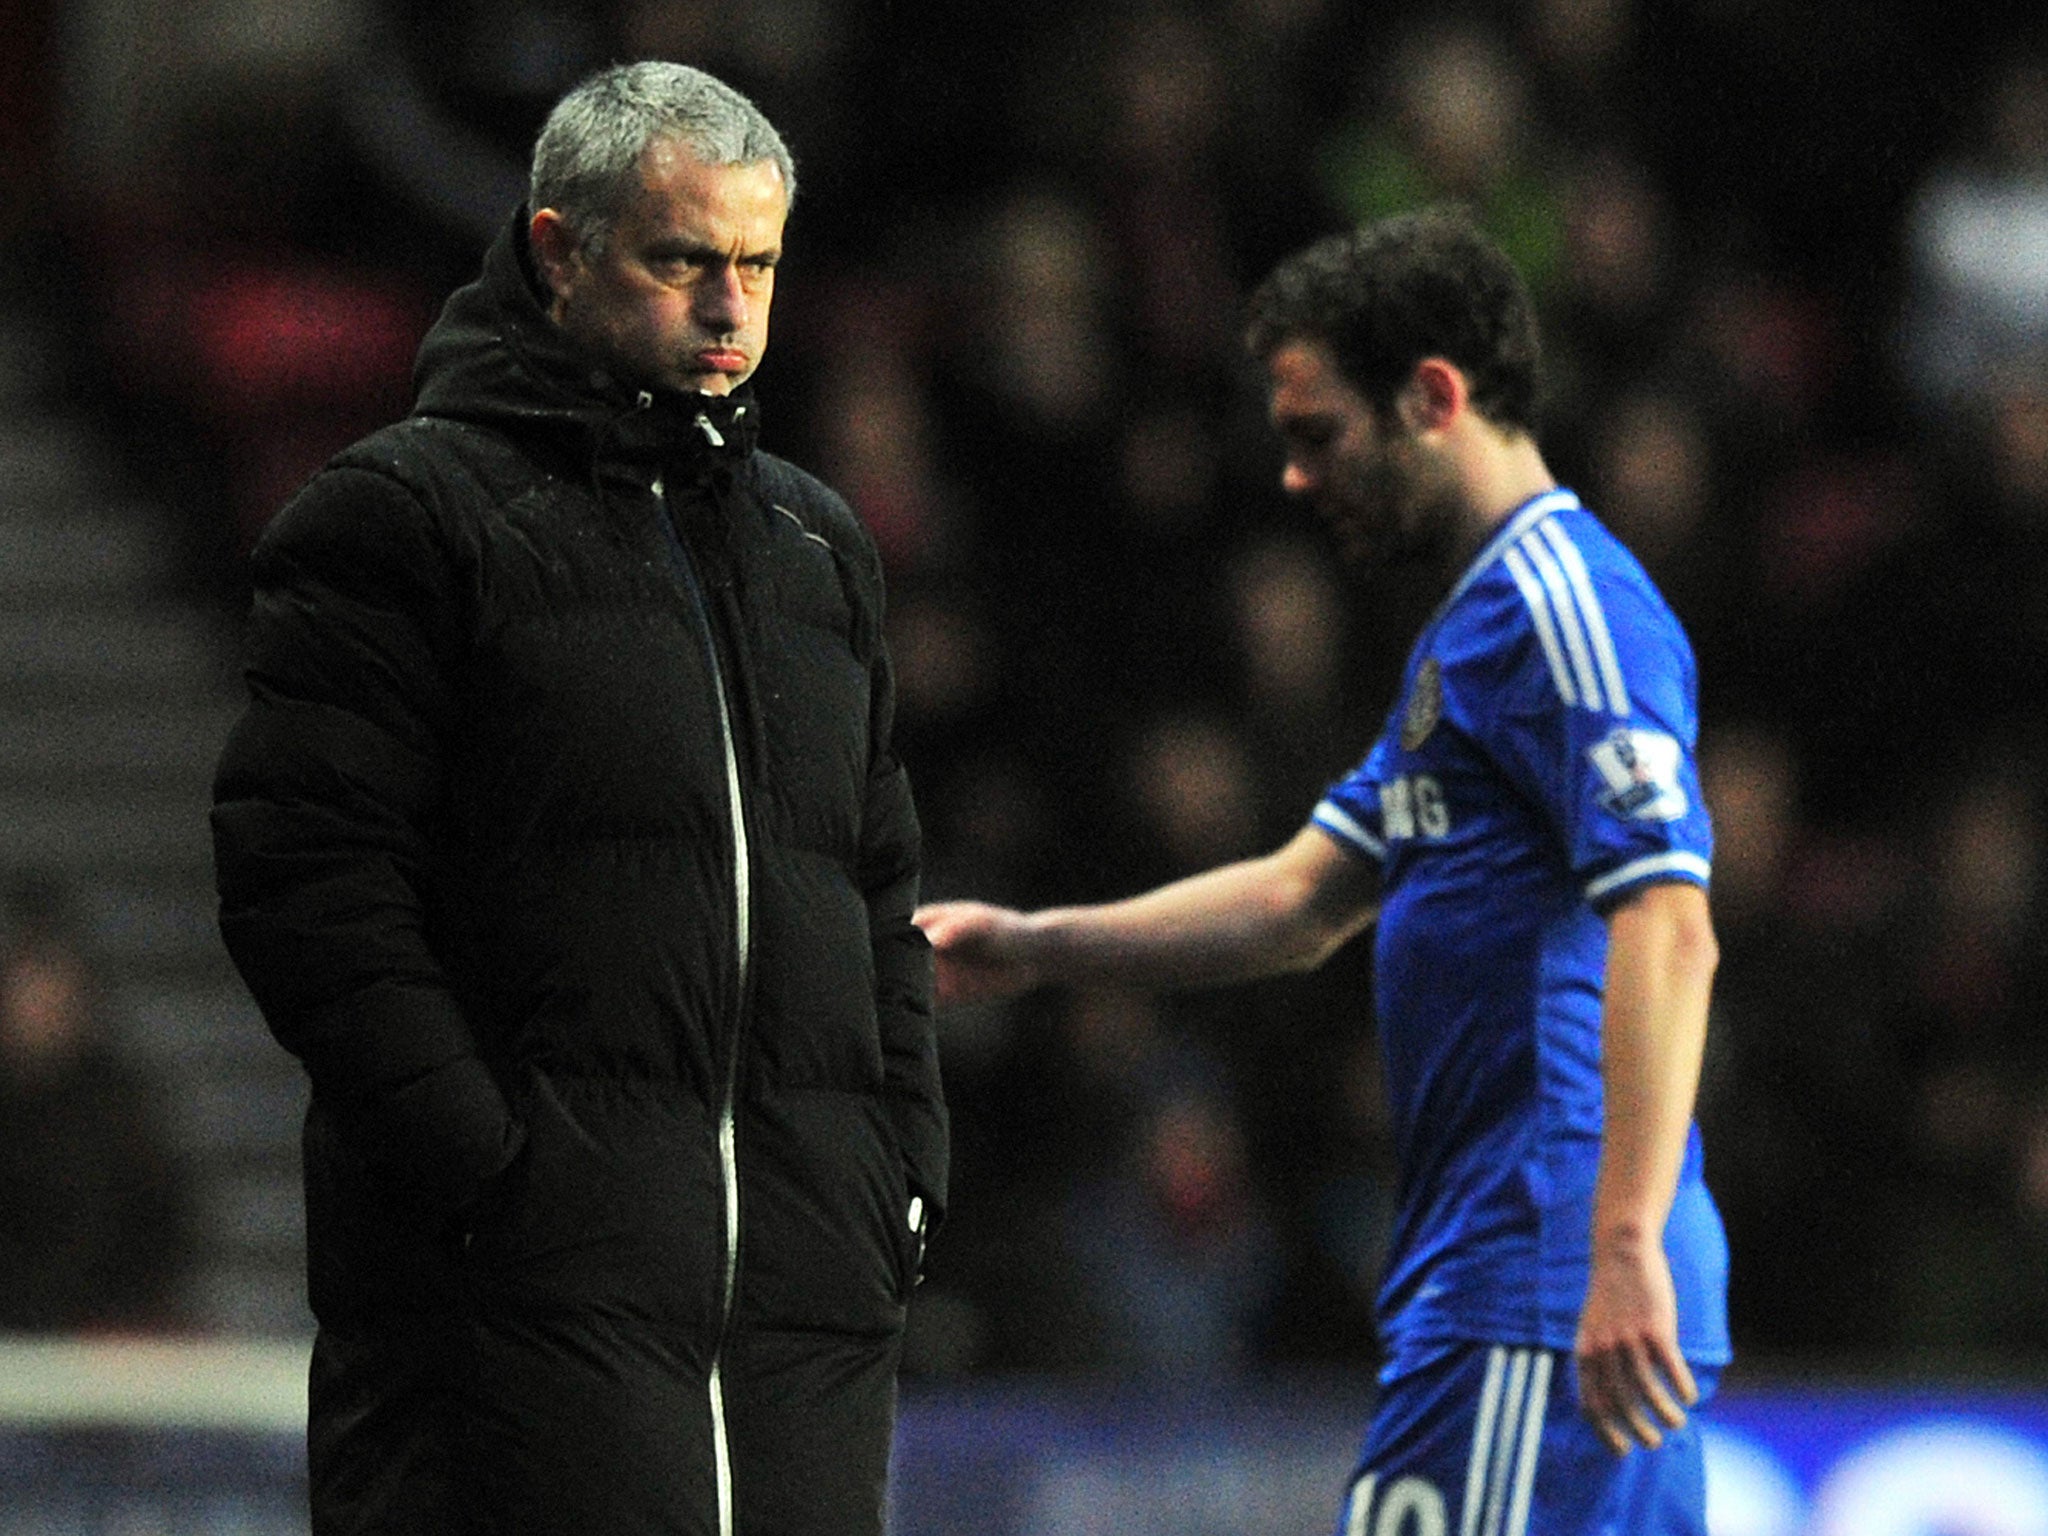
494 357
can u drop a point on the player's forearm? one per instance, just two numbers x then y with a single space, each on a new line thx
1234 923
1660 967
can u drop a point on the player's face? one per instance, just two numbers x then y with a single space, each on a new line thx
679 294
1364 471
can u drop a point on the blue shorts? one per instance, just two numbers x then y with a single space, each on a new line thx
1486 1440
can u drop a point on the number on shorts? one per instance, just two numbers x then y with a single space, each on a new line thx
1390 1515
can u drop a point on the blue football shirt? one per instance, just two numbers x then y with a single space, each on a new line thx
1536 767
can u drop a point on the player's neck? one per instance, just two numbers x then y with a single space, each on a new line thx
1499 473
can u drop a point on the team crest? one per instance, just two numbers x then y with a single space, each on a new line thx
1425 705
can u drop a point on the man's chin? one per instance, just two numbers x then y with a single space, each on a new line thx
704 382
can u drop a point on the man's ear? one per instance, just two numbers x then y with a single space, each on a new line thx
1435 395
555 250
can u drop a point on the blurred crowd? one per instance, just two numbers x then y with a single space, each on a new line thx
95 1210
1793 263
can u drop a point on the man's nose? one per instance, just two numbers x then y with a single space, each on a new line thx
1296 479
722 299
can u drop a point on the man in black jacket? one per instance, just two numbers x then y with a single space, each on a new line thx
563 843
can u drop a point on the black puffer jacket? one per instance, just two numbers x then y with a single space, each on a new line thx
563 843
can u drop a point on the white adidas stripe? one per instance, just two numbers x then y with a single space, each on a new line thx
1500 1470
1546 632
1565 610
1482 1441
1533 1414
1597 633
1656 864
1334 819
1571 625
1507 1439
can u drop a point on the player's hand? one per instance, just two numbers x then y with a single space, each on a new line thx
979 949
1633 1382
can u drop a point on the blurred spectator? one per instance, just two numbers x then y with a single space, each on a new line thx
1755 1135
1174 1253
1977 244
1975 1054
1290 630
1767 350
441 107
1750 778
1044 293
1446 119
1588 79
1163 190
1610 326
1045 1096
870 420
92 1206
1653 480
1805 1082
1190 782
2016 451
1168 471
1351 1201
1990 464
1289 617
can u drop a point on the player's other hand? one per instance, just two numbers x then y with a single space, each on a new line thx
979 949
1633 1382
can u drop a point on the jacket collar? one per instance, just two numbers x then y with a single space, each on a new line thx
495 357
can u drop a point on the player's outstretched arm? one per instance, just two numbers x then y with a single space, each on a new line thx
1287 911
1660 965
979 949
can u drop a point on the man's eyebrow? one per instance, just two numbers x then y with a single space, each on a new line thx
698 250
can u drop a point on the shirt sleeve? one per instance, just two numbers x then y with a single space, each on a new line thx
1599 719
1350 811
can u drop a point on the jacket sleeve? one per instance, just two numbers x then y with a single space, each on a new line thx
323 804
891 854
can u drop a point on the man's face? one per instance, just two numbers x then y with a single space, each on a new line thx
1365 472
679 295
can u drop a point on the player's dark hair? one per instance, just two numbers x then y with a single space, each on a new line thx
1418 285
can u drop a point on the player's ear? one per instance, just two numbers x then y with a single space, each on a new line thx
1436 393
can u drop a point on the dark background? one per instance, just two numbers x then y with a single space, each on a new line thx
1793 265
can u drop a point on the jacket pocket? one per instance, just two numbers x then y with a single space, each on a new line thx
371 1247
616 1204
815 975
826 1241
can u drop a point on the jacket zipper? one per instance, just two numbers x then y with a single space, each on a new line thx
728 1120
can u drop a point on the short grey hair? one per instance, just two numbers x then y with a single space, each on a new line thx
586 161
